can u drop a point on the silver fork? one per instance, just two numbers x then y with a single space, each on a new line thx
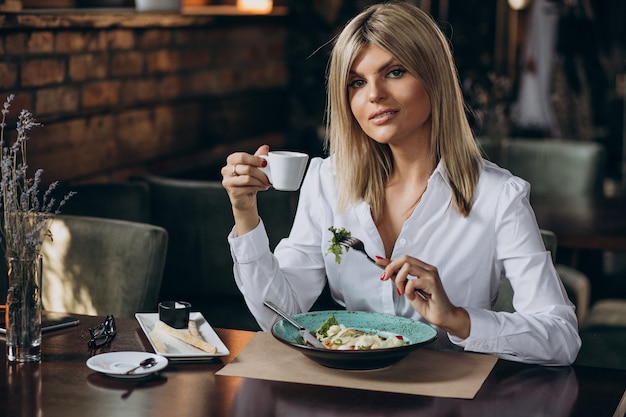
357 244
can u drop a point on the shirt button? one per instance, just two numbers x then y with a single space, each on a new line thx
402 242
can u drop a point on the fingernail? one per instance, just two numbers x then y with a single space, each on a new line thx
383 276
264 163
398 291
378 257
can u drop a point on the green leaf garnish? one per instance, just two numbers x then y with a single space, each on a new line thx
323 329
335 247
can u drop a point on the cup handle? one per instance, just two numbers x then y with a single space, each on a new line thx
266 168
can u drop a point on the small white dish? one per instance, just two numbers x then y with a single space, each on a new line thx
116 364
177 350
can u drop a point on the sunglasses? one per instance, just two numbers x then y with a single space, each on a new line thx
103 333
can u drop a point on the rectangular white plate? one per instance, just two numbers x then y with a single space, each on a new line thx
177 349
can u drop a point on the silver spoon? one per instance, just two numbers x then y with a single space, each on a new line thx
146 363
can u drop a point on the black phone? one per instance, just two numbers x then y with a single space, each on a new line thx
50 320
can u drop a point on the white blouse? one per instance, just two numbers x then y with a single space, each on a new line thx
500 236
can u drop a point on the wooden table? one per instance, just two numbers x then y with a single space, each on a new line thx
62 385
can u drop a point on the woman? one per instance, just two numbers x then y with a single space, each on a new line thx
405 176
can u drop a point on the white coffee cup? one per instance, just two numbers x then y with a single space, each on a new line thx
285 169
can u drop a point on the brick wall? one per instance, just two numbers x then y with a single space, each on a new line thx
120 94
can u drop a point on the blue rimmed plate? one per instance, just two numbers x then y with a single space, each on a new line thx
415 333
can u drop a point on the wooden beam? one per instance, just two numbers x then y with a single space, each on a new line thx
10 5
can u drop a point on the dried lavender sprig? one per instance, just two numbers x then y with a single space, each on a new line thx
26 217
5 111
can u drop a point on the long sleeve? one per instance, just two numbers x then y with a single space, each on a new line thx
500 236
294 282
543 329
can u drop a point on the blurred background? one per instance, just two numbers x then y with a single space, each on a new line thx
122 92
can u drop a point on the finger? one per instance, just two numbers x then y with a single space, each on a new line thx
243 158
382 262
232 170
262 150
414 288
401 278
239 158
260 164
243 182
391 268
408 284
229 175
241 164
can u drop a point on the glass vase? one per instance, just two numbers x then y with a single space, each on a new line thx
23 309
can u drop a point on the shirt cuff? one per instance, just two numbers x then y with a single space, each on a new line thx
249 247
481 337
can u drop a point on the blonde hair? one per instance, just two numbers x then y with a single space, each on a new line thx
363 165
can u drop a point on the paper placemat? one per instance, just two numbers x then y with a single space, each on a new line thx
422 372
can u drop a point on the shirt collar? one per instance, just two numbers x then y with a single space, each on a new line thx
440 174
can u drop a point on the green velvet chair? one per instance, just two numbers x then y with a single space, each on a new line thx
556 166
199 268
99 266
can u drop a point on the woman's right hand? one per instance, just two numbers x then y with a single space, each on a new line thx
242 179
411 274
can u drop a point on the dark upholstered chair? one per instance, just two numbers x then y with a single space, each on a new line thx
199 267
100 266
556 166
127 200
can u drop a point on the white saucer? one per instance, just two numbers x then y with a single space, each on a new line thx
116 364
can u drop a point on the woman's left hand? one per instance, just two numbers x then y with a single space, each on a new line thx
411 274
